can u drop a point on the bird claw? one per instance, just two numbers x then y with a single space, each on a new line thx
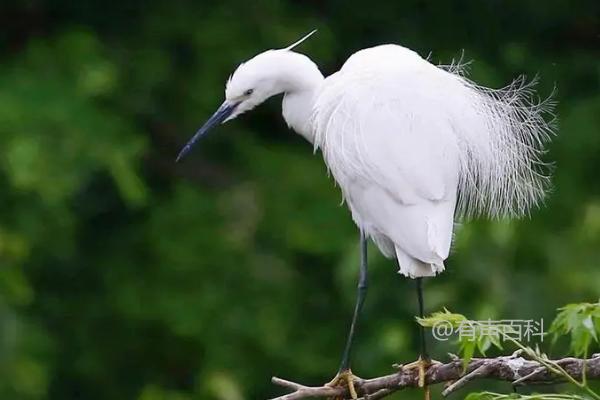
345 379
422 364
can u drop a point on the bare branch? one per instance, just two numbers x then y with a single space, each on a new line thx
513 368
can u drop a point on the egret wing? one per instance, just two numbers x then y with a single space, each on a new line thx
395 160
388 131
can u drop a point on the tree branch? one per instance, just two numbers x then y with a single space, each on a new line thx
513 368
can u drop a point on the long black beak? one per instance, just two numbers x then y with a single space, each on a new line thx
218 117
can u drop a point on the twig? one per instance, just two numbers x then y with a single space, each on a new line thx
532 374
380 394
479 372
305 392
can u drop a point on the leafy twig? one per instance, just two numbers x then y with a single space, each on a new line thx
505 368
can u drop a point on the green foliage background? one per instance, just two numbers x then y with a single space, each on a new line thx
126 276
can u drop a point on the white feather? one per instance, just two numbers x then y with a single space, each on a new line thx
499 135
411 145
502 142
298 42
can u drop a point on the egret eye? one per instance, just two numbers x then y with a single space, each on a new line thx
248 92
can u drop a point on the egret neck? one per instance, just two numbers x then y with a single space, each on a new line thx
301 80
268 74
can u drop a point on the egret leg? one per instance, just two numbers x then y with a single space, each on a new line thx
424 361
361 293
344 374
424 354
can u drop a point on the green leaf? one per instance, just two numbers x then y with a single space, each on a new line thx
588 323
581 322
467 349
442 317
476 396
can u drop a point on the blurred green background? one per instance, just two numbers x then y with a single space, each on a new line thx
126 276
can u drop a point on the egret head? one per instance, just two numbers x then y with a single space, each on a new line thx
254 81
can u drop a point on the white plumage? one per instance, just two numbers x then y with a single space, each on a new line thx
413 146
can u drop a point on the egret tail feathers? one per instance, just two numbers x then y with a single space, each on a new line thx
414 268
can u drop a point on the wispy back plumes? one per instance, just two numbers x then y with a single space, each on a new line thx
501 148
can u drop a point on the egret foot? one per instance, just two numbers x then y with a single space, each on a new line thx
345 378
422 364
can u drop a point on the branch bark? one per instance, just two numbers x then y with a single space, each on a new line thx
514 369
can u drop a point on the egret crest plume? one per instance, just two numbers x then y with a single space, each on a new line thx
297 43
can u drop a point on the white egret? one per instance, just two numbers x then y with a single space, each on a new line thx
413 147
